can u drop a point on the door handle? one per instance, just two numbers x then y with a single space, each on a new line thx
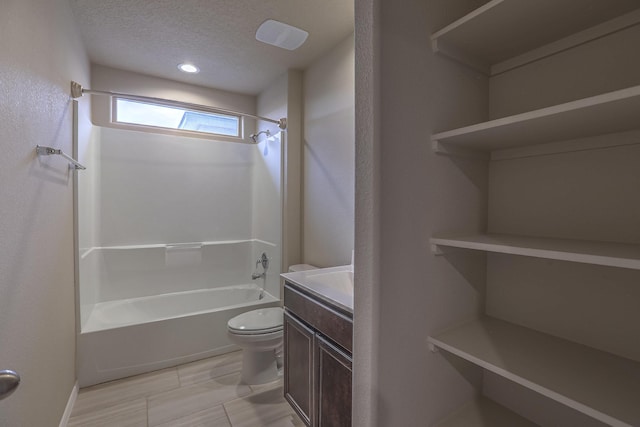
9 381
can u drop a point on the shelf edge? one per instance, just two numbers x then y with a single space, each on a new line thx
445 149
604 29
466 18
595 32
481 405
569 146
529 384
462 57
579 257
605 98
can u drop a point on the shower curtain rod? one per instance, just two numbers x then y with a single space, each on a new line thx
77 91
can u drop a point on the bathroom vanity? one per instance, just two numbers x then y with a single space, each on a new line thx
318 336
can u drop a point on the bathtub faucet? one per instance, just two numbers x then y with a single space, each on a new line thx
264 261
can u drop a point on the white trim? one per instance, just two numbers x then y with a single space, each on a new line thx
608 254
447 149
164 245
67 411
570 146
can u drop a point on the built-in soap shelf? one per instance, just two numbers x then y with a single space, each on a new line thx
601 385
505 34
608 254
183 254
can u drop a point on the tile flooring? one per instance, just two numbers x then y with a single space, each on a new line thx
204 393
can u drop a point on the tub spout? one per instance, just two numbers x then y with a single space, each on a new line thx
255 276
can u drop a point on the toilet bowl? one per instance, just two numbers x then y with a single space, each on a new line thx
259 334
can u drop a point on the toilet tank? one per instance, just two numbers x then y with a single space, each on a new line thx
301 267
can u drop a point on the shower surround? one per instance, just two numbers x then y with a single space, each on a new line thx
170 229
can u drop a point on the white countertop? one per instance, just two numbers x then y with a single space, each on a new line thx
333 285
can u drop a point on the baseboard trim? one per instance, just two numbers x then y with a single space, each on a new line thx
67 411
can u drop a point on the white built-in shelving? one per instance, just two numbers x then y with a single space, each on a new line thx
482 412
608 254
598 384
597 115
500 36
504 34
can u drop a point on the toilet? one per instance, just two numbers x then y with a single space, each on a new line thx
259 333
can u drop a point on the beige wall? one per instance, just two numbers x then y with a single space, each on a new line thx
283 98
403 193
329 158
583 194
367 214
41 53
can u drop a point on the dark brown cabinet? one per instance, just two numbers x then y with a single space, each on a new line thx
333 385
317 359
298 366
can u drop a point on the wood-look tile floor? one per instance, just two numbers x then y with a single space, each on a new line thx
207 393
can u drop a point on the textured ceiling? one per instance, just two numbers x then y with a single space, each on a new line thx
153 36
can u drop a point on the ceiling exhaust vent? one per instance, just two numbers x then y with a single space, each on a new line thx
281 35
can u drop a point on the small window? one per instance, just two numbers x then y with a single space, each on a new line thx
140 113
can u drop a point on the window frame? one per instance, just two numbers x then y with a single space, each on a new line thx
176 131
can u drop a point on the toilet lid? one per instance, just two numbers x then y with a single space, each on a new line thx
262 321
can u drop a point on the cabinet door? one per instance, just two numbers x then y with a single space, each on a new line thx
298 366
333 385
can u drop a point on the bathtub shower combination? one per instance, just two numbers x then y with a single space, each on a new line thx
173 305
144 307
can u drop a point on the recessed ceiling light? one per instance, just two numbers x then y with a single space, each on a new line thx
281 35
188 68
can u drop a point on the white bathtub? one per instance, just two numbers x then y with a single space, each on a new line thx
119 313
141 332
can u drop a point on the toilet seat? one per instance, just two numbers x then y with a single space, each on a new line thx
257 322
